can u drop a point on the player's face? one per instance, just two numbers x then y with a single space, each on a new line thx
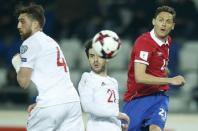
163 24
24 26
98 65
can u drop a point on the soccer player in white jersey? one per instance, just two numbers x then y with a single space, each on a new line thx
41 60
99 96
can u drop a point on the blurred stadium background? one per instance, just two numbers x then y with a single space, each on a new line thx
71 23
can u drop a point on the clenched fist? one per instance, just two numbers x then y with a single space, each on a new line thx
178 80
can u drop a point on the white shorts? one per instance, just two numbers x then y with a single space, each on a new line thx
63 117
102 126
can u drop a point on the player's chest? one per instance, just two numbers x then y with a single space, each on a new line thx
105 92
159 58
161 53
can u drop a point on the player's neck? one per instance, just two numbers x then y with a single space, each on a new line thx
164 39
103 73
36 30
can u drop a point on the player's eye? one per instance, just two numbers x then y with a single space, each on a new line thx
91 55
160 20
169 21
22 21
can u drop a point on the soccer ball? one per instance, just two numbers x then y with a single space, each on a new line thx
106 43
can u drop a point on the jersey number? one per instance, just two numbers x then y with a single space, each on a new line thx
112 97
60 61
162 113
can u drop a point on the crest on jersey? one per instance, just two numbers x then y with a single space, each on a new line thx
23 49
144 55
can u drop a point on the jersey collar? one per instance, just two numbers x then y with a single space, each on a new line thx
157 40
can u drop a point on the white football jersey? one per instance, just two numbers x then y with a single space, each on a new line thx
99 98
50 71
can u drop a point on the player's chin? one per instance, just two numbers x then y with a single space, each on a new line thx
96 70
163 35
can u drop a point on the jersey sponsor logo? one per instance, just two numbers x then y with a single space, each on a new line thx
23 49
23 59
144 55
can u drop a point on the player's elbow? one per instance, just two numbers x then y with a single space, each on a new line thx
139 79
23 82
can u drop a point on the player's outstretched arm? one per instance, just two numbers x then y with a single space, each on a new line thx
142 77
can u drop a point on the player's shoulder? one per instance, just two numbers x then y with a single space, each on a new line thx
33 39
30 43
112 79
143 38
86 75
85 78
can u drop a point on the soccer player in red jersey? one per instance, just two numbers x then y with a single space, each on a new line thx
145 100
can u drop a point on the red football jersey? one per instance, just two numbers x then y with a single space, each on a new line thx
149 50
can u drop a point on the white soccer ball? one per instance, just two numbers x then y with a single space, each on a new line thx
106 43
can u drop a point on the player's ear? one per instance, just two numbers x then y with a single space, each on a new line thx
35 24
153 22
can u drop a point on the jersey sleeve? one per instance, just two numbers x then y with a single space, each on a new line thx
29 52
87 100
142 51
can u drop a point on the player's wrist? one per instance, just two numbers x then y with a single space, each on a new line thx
165 80
121 115
169 80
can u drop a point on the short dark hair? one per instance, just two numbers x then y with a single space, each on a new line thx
88 46
165 9
35 11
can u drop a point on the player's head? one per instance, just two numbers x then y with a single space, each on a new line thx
98 64
30 19
164 21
